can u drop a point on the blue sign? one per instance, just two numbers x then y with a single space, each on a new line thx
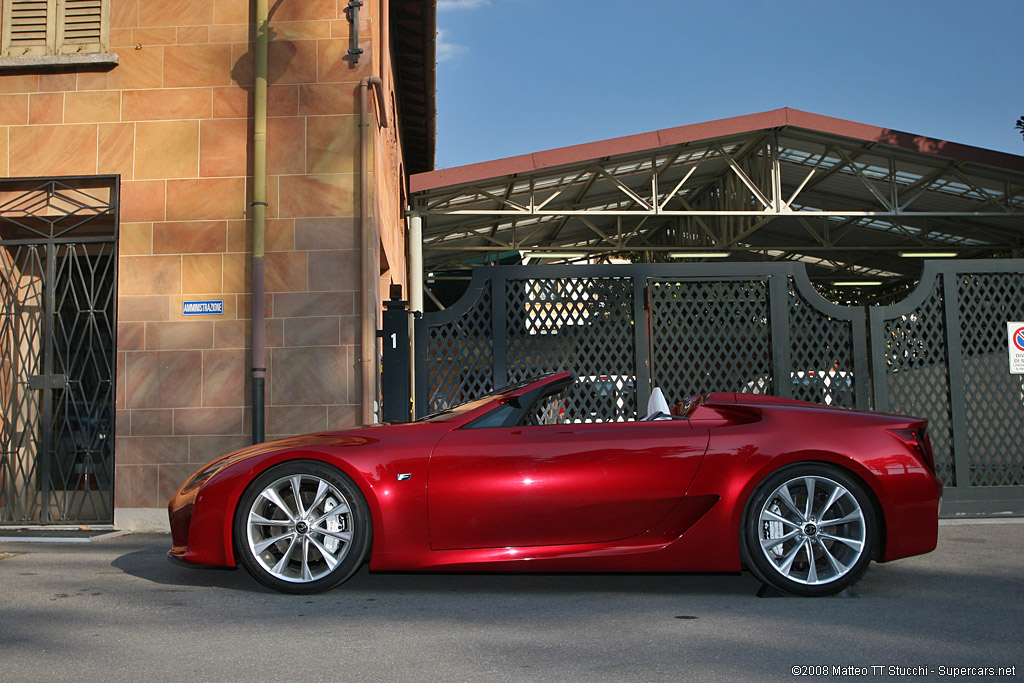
209 307
1018 339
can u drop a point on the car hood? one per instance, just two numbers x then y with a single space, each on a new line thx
350 437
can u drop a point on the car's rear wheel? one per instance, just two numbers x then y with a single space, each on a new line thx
302 527
810 530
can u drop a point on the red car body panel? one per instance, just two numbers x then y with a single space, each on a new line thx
558 484
619 496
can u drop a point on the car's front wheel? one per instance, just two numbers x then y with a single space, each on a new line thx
810 529
302 527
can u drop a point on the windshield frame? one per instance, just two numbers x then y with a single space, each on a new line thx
472 405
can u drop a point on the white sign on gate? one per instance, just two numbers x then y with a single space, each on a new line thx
1015 333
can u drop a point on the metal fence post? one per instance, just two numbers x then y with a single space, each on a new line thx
395 362
954 358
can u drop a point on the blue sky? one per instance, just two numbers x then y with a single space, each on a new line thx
520 76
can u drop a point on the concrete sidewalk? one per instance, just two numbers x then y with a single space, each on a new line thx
117 610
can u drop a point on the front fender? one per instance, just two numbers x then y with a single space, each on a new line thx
373 468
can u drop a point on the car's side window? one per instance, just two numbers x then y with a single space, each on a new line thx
505 415
527 410
550 410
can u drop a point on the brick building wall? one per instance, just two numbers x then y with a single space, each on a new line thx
174 120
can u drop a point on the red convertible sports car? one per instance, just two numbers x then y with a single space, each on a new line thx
803 495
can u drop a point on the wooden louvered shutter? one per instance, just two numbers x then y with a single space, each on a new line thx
81 26
54 27
28 27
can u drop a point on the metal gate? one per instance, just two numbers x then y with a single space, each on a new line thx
758 328
58 274
942 354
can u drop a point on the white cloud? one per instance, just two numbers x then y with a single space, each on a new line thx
448 51
443 5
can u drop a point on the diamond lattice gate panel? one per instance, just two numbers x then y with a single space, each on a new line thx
993 398
505 330
828 349
710 336
58 262
755 336
21 339
942 354
580 324
457 364
912 372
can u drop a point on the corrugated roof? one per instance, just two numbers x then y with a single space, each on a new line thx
776 118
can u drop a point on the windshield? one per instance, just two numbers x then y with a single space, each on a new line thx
473 404
455 411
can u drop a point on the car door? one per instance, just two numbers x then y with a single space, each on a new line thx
558 484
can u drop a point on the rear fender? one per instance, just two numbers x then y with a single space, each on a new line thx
734 477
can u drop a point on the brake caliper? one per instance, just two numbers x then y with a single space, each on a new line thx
335 524
774 530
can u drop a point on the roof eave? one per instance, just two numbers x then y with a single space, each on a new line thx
414 39
777 118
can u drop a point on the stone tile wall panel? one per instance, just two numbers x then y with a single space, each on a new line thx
310 376
116 149
90 107
190 237
53 150
13 110
45 108
151 422
202 274
166 149
163 379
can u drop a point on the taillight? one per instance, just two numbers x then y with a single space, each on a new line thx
917 439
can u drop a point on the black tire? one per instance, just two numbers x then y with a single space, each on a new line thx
305 547
820 550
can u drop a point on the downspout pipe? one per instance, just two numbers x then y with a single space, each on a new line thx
416 263
415 293
367 246
259 221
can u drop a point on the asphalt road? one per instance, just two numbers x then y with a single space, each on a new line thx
117 610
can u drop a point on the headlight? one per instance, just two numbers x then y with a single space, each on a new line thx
203 475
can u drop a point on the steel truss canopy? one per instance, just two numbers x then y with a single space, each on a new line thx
854 202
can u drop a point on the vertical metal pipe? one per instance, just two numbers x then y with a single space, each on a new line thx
259 220
367 247
416 263
415 293
368 325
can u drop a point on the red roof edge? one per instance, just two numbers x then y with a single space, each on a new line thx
776 118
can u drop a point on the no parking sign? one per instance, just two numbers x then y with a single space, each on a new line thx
1015 332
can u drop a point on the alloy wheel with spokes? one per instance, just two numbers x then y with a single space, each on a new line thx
302 527
810 530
